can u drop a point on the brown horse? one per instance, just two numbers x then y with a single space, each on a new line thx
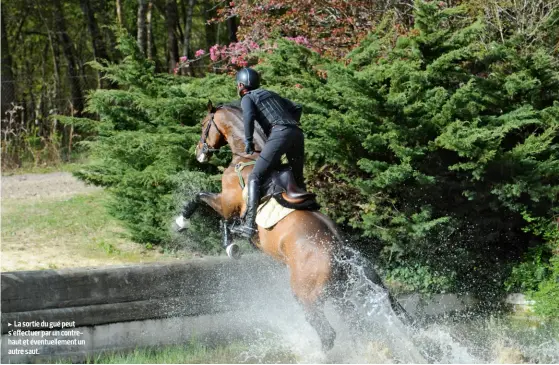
306 241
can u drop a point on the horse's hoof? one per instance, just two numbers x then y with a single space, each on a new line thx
181 224
328 343
233 251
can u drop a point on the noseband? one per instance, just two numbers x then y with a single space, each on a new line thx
204 136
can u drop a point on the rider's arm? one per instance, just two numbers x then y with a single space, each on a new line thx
296 110
249 115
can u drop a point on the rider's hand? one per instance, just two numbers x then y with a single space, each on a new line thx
249 149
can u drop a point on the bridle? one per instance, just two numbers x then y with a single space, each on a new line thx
204 136
205 148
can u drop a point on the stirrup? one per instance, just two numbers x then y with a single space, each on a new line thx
244 230
233 251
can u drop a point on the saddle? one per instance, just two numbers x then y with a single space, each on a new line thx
282 186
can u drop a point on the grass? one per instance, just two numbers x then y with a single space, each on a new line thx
192 353
66 232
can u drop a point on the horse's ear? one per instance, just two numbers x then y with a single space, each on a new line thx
211 107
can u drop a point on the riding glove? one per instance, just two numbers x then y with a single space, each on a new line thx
249 147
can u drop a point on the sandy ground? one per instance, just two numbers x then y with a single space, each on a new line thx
36 186
28 248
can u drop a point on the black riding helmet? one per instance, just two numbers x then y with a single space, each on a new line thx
249 78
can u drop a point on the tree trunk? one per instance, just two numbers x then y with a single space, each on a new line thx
150 41
68 49
119 16
187 51
55 50
171 11
188 27
210 29
8 82
232 28
99 49
141 24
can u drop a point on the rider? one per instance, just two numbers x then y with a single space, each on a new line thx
279 118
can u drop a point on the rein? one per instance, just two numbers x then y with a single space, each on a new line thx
206 148
203 138
239 168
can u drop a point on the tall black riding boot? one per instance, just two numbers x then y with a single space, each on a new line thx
248 229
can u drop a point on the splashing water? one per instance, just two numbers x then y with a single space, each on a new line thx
377 323
372 332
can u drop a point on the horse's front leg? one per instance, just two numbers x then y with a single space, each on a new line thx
211 199
214 200
190 207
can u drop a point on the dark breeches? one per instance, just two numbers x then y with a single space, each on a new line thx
287 140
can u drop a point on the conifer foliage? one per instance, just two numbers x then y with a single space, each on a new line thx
147 133
461 153
438 144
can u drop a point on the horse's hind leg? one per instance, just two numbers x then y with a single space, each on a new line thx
350 316
371 275
314 313
309 280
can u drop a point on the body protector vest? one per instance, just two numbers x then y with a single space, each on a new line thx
273 108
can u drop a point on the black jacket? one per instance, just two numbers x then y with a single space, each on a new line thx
269 109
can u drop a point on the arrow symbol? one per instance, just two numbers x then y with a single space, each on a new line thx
9 324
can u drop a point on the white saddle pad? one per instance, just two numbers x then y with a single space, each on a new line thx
270 212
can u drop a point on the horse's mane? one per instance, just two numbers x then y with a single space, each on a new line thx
235 108
235 105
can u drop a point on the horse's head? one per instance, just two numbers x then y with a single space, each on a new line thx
212 138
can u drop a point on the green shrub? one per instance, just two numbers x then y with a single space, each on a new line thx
547 294
437 145
458 146
146 136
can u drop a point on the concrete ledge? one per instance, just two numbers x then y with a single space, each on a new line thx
126 307
519 304
124 293
120 312
518 299
436 304
34 290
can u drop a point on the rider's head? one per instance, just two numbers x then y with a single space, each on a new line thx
247 79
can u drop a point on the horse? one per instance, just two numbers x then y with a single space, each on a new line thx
306 241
